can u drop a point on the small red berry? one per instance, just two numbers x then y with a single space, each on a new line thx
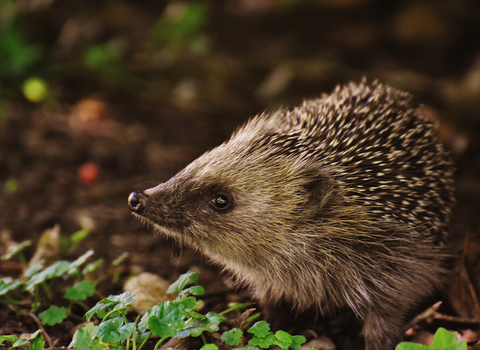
88 174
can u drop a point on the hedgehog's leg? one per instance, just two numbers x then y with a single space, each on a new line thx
283 316
382 331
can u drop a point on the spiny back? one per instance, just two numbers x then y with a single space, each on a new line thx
378 147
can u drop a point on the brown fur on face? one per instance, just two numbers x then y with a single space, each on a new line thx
343 201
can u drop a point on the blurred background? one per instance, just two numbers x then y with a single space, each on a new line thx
99 98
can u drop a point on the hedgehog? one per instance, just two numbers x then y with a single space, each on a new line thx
341 203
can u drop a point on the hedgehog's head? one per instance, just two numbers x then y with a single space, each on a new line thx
241 200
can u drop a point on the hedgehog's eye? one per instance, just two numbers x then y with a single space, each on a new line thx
220 201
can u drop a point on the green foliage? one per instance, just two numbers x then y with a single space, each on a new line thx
37 343
209 347
263 342
112 305
233 337
100 57
10 338
86 339
105 60
184 280
17 56
74 267
80 291
443 340
115 331
79 236
171 319
7 284
58 269
11 185
71 243
35 339
297 341
265 339
34 269
260 329
37 278
37 275
53 315
200 323
182 28
16 250
92 267
165 319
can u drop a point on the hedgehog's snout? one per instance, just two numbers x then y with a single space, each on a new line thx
136 201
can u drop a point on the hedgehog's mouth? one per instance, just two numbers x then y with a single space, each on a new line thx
167 231
182 238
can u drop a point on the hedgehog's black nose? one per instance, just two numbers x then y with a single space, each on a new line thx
136 200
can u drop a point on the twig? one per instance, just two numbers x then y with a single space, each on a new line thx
455 319
40 325
424 315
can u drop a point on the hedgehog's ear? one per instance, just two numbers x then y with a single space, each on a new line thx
320 189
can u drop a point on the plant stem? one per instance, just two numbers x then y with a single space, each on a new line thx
159 343
116 311
236 306
143 343
22 259
36 300
134 338
46 288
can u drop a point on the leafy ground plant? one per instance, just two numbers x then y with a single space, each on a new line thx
443 340
176 319
38 280
35 341
35 295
